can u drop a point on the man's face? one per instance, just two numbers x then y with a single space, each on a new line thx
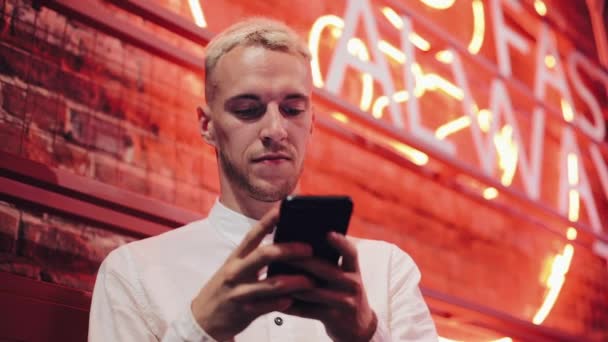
260 120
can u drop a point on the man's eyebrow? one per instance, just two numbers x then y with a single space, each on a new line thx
246 96
296 96
251 96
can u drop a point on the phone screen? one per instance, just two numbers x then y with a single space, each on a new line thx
309 219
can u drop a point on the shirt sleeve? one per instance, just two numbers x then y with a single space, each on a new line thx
409 318
119 311
185 328
382 333
116 314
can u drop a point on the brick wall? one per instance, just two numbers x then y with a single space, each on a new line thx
75 99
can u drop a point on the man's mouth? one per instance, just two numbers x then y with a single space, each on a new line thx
272 158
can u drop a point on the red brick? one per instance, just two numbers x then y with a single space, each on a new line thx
187 129
193 85
108 137
155 85
46 111
109 99
136 71
77 88
27 67
51 246
208 199
162 120
57 243
9 227
78 42
76 280
137 112
109 53
53 24
38 146
61 251
69 156
161 187
210 175
43 73
11 137
20 27
105 169
13 99
135 152
100 241
189 164
132 178
188 196
160 156
21 266
95 131
164 74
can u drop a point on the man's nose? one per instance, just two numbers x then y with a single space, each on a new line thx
275 124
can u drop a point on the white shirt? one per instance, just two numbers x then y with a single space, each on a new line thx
144 289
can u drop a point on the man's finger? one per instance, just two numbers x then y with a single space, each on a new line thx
278 286
348 251
307 310
328 297
257 233
333 275
266 305
263 256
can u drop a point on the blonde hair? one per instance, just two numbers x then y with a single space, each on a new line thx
267 33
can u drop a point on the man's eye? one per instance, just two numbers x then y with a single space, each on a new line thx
250 113
290 111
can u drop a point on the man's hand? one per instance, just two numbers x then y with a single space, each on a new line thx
235 296
342 304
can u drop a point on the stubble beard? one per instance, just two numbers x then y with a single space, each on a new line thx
239 178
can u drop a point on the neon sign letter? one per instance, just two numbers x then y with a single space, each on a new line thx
412 104
342 59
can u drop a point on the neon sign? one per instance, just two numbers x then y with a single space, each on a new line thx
489 140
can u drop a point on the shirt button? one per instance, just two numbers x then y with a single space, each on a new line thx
278 321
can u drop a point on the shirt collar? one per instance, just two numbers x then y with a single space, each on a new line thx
232 224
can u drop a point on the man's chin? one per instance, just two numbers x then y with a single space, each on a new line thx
270 191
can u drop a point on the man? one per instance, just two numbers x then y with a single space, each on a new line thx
204 281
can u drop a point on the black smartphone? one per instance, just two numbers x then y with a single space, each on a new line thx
309 219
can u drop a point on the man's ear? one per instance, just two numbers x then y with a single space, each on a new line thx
206 124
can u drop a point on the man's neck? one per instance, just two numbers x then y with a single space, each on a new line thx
245 205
